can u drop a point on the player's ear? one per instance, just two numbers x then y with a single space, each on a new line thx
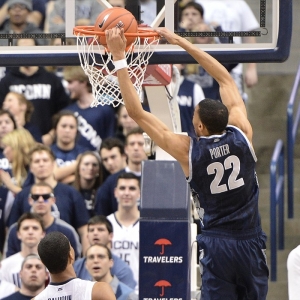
71 255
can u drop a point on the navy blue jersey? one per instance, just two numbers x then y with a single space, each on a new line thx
35 131
95 124
64 158
13 244
69 202
223 178
89 199
45 91
106 202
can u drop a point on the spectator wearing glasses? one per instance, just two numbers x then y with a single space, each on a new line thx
69 202
30 230
99 262
42 199
100 231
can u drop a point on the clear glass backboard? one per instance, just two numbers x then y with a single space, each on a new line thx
271 36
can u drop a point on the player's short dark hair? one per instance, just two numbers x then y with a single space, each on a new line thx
112 142
128 175
195 5
109 254
136 130
100 219
54 250
214 115
30 216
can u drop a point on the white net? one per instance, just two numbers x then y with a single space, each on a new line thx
97 65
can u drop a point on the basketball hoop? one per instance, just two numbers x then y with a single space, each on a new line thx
96 61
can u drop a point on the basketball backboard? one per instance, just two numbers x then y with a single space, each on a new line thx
272 36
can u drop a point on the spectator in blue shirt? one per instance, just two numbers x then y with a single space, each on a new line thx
66 148
100 231
88 178
69 202
41 199
94 123
99 262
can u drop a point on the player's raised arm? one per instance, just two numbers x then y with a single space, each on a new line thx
157 130
228 90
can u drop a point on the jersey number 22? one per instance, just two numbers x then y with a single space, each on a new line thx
217 168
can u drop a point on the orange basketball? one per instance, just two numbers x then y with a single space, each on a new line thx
116 17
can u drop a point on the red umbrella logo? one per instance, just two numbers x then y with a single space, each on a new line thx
162 284
162 243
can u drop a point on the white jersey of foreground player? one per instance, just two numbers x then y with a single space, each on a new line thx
73 289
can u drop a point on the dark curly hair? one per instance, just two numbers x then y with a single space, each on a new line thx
54 251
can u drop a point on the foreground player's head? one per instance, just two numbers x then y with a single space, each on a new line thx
55 252
210 117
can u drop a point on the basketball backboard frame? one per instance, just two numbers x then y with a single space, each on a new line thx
276 51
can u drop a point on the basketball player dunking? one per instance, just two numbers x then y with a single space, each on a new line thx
58 256
219 165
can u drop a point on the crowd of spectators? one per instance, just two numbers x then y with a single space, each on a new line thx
64 166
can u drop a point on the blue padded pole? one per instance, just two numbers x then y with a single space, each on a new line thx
165 246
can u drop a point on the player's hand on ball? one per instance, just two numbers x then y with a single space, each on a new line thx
116 42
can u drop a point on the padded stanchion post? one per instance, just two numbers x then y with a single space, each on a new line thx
165 251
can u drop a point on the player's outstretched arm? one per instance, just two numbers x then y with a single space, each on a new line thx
175 144
228 90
